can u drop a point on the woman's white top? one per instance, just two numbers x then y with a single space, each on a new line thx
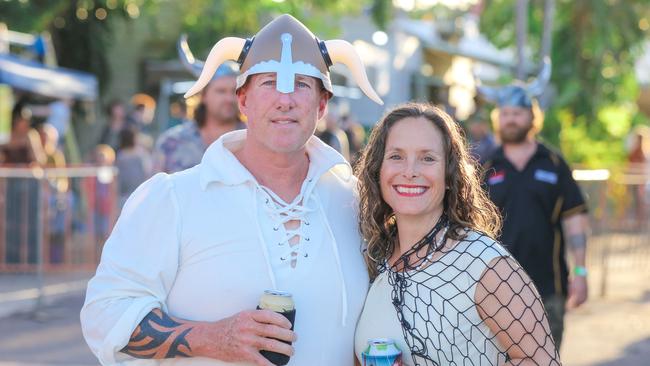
450 307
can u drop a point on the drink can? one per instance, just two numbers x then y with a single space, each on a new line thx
280 302
382 352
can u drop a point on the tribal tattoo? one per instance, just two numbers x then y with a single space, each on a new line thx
577 241
159 336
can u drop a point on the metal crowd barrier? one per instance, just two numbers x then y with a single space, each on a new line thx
55 219
618 252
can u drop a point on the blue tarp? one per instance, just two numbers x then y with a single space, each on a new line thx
55 82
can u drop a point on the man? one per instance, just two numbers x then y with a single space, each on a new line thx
183 146
543 208
270 207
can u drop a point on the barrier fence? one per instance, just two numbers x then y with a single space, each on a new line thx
57 219
618 252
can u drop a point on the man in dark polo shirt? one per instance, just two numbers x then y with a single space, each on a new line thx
543 208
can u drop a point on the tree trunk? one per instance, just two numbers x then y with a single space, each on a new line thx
521 32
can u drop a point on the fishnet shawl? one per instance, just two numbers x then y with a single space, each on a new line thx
433 292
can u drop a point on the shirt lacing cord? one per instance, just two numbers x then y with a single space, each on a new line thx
296 211
281 215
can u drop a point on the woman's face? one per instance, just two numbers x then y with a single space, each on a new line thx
412 175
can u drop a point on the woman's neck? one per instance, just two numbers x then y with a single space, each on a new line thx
411 229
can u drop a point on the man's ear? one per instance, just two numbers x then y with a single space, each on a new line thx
322 103
241 99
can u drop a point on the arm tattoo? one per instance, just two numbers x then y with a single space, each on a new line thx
159 336
577 241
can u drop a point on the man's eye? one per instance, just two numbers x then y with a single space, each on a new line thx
302 84
268 82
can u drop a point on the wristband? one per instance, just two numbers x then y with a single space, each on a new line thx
580 271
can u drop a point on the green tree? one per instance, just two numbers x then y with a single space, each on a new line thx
81 29
594 49
208 20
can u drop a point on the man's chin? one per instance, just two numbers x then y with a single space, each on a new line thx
513 139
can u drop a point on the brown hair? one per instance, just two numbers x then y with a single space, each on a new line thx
466 204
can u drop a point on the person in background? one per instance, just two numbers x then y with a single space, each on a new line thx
638 165
482 142
116 113
133 165
103 202
183 146
356 135
24 146
332 134
177 114
22 150
57 114
544 209
60 198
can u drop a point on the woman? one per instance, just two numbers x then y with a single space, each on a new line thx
443 289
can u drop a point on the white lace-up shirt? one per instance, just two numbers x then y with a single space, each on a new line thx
203 244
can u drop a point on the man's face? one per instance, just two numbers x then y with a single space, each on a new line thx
514 124
220 99
281 122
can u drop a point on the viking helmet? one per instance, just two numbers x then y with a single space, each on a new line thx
286 47
518 94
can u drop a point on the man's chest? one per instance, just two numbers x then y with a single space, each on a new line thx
536 186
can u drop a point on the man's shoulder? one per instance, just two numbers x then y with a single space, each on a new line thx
178 133
495 157
552 153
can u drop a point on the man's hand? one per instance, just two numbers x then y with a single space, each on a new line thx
242 336
577 292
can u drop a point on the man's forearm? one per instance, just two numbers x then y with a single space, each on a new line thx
577 245
575 233
160 336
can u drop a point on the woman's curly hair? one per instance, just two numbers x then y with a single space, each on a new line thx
466 204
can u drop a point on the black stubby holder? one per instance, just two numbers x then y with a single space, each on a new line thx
280 359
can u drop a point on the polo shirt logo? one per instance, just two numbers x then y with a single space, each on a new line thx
497 177
545 176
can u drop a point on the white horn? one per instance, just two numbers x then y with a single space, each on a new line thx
187 58
228 48
343 52
536 87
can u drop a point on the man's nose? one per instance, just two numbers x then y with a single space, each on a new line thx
285 101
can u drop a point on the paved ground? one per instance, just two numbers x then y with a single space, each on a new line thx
51 337
611 331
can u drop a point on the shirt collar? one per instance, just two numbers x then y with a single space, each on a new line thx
219 164
540 151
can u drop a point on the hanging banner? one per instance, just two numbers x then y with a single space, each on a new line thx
6 104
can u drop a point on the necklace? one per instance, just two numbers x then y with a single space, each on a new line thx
428 240
437 245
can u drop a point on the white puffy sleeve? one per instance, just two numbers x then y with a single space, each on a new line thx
137 269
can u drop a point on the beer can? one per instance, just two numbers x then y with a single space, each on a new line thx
280 302
382 352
